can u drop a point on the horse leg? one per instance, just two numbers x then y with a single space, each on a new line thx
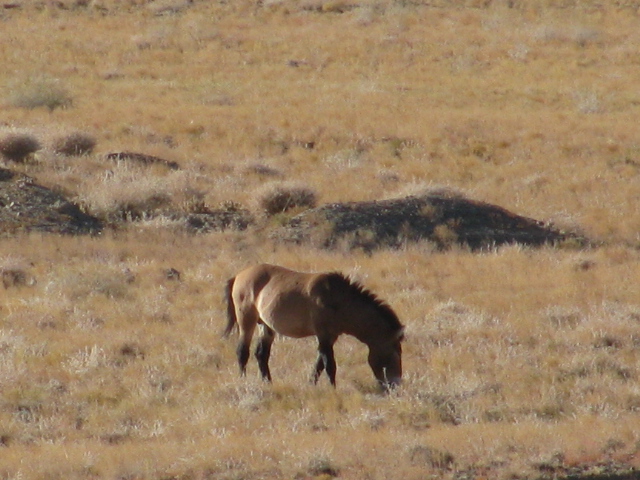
330 365
319 368
247 326
263 351
243 355
326 361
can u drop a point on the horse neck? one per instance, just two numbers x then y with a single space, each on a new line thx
368 328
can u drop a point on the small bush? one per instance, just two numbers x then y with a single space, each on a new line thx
275 199
129 195
18 146
74 144
424 455
15 277
322 466
141 208
40 92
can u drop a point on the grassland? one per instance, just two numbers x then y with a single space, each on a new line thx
519 363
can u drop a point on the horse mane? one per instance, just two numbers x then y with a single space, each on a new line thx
358 290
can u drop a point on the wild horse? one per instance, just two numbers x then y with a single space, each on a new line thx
297 304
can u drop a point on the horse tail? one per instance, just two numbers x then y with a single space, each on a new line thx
232 320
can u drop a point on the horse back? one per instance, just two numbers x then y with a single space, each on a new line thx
281 297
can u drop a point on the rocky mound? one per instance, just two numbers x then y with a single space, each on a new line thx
26 207
228 217
442 219
142 159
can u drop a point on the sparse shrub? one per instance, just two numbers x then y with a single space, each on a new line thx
15 277
195 204
263 170
110 283
18 146
40 92
74 144
128 353
139 209
130 195
549 411
280 198
561 317
422 454
322 465
605 340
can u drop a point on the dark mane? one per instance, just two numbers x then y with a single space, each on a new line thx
357 289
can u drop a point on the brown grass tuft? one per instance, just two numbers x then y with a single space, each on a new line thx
74 144
279 198
40 91
17 146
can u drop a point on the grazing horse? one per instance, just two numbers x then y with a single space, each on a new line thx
326 305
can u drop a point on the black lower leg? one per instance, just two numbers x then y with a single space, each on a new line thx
243 357
263 351
330 364
319 368
326 360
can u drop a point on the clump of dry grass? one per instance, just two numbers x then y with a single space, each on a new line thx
279 198
74 144
137 193
322 466
18 146
39 91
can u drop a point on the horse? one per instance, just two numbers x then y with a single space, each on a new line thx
327 305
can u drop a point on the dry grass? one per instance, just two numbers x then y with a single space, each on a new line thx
276 198
18 146
38 91
518 362
74 144
512 358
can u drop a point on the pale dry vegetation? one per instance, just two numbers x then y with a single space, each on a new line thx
276 198
512 358
18 146
519 363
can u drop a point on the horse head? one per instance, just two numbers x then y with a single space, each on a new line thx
385 360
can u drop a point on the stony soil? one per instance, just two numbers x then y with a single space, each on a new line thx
442 219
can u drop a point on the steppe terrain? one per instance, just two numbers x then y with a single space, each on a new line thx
519 362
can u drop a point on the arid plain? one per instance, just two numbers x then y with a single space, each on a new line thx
519 362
